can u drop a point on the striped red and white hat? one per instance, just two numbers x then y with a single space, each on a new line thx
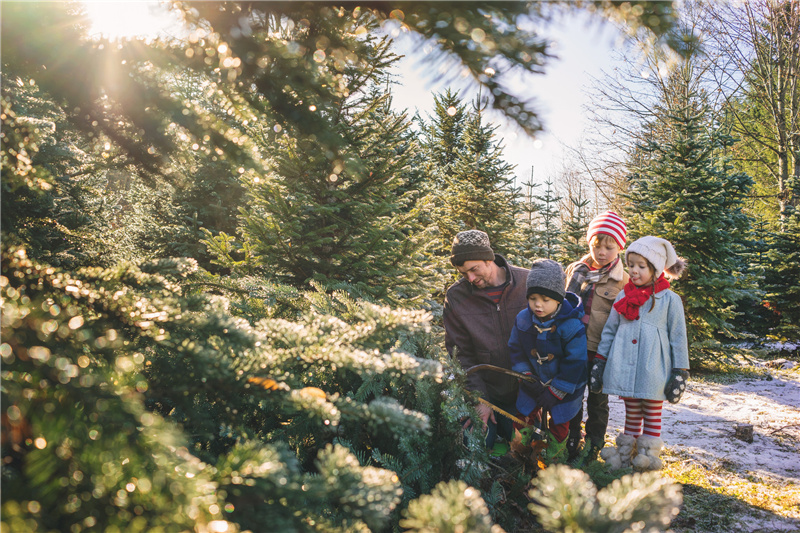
608 223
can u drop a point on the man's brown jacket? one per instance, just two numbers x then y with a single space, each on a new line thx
480 329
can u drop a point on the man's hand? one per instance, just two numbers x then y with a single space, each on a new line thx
485 413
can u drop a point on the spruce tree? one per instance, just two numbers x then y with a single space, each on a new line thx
530 207
782 273
481 184
339 217
574 228
443 134
689 195
478 189
549 225
60 216
442 140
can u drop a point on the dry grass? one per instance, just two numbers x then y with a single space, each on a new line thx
717 497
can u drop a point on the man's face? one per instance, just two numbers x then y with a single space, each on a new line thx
479 273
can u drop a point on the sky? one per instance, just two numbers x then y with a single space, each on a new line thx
583 47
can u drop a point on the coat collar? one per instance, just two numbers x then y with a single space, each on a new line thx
617 273
570 308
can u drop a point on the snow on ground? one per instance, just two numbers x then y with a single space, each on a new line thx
701 427
702 424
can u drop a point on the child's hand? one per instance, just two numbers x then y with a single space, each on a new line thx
676 384
596 375
547 400
532 389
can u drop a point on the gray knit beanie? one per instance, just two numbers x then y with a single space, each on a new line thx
471 245
547 277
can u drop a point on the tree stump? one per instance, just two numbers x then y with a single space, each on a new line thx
744 432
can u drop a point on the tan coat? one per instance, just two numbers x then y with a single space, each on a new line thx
605 291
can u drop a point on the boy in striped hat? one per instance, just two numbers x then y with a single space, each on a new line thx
597 278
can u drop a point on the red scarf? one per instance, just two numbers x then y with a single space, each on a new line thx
629 305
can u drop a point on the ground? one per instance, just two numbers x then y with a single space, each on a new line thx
730 484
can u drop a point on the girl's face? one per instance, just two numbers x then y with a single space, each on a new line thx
640 270
541 305
603 250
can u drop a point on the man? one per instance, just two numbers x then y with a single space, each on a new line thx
479 312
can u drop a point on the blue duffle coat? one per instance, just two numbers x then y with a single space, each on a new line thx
562 352
642 353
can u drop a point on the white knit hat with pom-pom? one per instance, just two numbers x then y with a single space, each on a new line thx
661 255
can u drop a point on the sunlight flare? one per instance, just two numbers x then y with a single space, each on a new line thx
118 20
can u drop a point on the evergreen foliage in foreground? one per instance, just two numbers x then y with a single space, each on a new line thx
566 500
100 364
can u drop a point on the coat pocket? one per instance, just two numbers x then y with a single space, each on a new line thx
607 292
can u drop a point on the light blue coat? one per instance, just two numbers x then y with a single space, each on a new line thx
642 353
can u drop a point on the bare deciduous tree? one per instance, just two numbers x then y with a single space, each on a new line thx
756 51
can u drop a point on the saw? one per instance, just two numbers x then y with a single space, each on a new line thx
525 377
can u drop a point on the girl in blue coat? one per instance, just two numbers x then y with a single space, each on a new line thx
548 342
645 356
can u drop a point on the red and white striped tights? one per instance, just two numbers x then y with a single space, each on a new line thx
638 411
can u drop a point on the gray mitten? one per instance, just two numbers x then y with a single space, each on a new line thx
676 384
596 375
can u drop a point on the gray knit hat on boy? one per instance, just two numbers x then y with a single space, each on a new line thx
547 277
471 245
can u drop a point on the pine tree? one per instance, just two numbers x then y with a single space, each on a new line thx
782 275
551 231
443 134
338 217
487 196
60 222
530 207
206 191
689 195
478 185
574 228
442 139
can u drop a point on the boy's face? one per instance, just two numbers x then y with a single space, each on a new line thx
639 270
541 305
603 250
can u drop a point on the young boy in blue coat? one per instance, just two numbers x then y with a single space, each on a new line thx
548 342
